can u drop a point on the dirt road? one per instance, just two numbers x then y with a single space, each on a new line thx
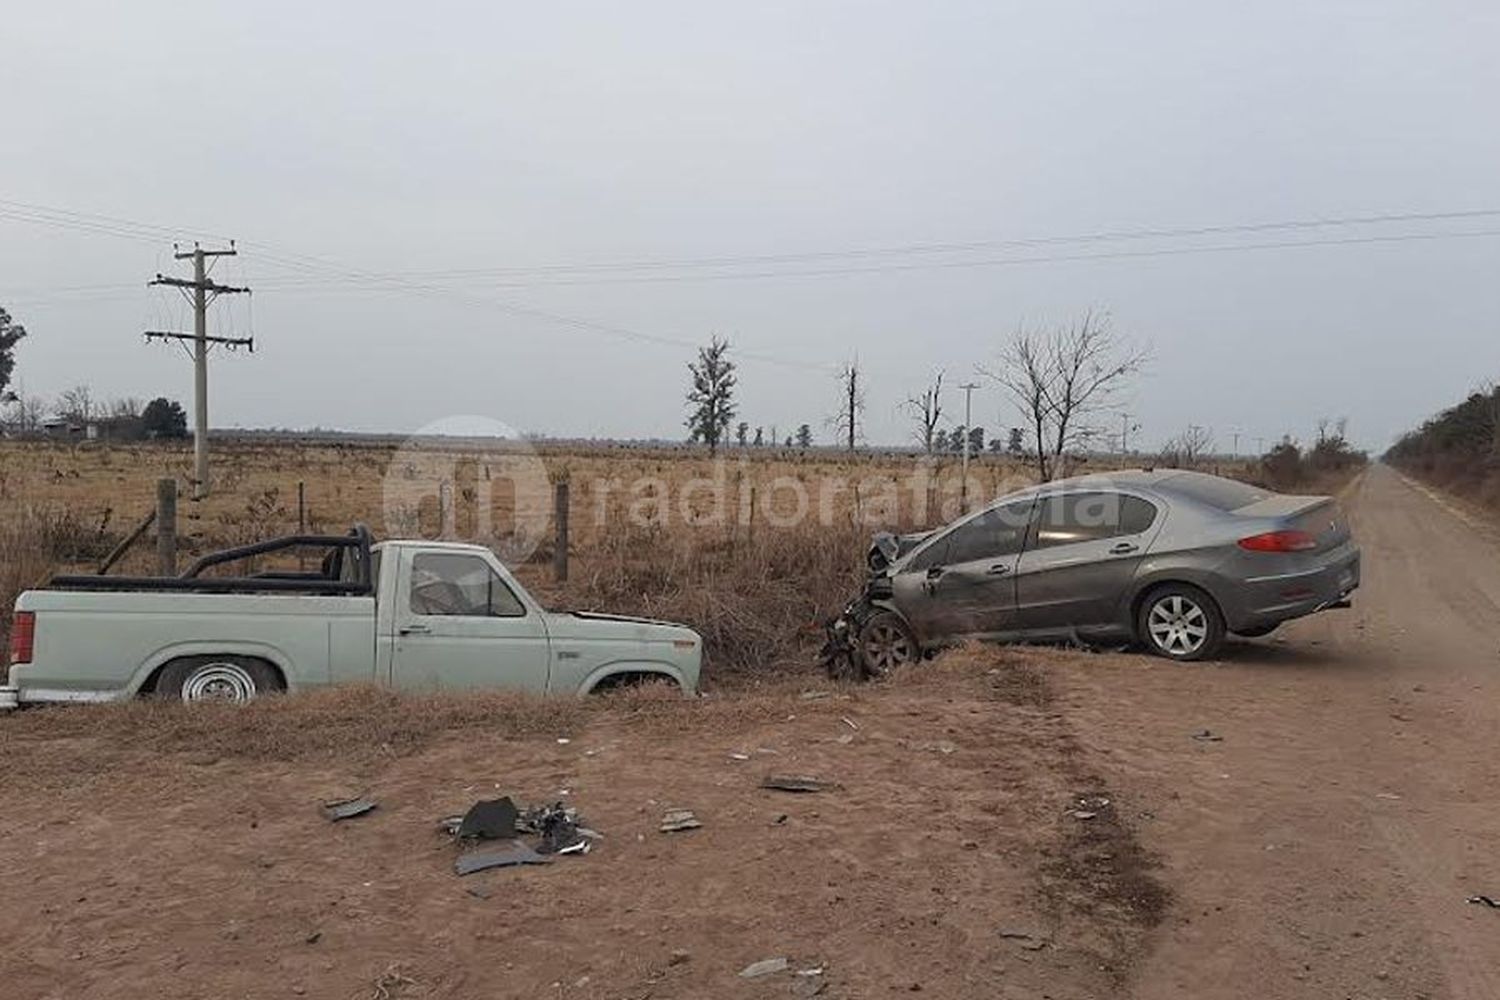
1326 847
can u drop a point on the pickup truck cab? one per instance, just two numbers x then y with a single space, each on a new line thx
406 614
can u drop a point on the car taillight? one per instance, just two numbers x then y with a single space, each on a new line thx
1290 540
22 636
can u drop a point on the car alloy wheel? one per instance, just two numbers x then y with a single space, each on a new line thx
885 643
1178 625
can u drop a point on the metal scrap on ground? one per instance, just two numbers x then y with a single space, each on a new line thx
342 809
798 783
678 820
764 967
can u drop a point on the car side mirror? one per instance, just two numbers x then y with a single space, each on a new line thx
933 572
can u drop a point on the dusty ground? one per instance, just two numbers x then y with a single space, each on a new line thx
166 856
1325 847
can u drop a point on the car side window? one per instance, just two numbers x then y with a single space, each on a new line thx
1069 518
996 533
453 584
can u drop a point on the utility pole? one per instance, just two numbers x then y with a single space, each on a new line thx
963 486
200 291
1236 438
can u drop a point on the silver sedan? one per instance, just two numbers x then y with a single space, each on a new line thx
1170 559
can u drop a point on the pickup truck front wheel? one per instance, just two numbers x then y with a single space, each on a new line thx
216 678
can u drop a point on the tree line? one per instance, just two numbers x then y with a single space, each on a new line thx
1062 380
22 413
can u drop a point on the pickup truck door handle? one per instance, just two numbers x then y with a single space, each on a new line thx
414 630
1123 548
998 569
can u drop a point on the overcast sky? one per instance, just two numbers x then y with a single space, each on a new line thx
524 144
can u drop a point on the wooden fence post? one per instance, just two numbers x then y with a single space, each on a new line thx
560 521
166 527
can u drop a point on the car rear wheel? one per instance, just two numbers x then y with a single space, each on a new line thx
234 679
1181 622
886 642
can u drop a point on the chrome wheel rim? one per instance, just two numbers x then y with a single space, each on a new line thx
219 682
887 646
1178 625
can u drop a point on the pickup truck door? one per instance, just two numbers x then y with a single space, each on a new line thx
460 624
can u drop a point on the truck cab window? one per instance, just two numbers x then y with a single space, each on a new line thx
458 585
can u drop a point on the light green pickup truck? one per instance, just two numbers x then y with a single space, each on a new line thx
407 614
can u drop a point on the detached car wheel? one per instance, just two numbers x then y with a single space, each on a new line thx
886 642
1181 623
234 679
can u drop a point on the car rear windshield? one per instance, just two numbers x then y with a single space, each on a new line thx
1223 494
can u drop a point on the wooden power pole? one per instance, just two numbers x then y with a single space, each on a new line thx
200 291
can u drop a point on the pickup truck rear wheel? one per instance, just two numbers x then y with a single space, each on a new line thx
216 678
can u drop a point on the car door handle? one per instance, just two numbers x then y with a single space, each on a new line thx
1124 548
998 569
415 630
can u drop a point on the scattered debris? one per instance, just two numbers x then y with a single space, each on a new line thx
314 937
478 892
809 986
342 809
1485 901
1088 806
798 783
940 746
489 819
393 979
515 853
764 967
678 820
814 695
1208 736
779 819
1388 795
679 956
849 722
556 825
739 756
845 739
563 741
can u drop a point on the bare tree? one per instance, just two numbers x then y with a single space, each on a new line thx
852 404
125 406
25 413
1061 380
928 410
76 404
1189 448
711 398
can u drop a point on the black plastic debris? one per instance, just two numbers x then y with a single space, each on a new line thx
1485 901
556 825
797 783
512 854
489 819
1207 736
342 809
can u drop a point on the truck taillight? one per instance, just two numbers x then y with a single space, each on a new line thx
22 636
1290 540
